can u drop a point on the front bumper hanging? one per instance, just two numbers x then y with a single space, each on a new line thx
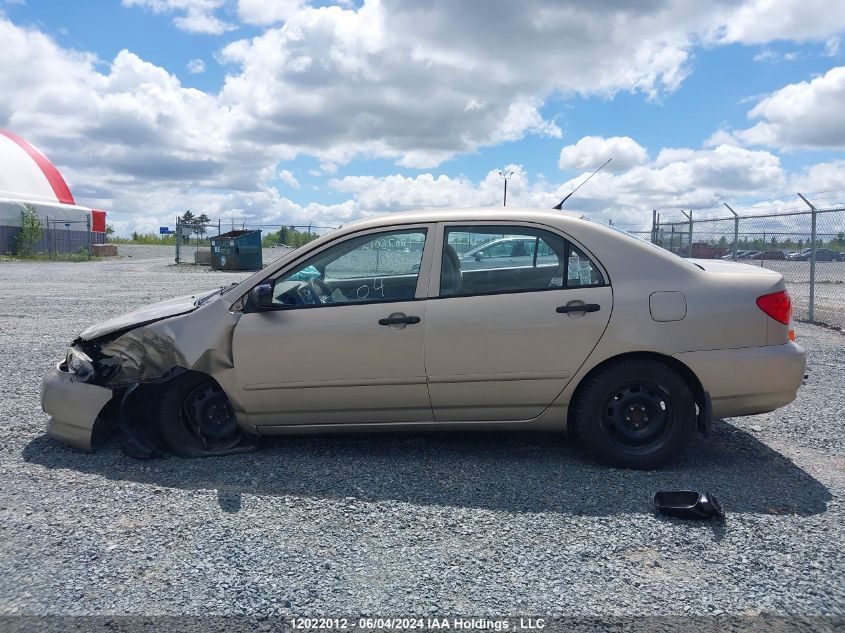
73 407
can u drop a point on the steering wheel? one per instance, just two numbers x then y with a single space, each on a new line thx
316 292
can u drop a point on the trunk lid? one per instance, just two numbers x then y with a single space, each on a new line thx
730 267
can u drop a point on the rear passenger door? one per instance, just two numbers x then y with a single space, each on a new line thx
502 342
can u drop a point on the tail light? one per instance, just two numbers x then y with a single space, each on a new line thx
777 305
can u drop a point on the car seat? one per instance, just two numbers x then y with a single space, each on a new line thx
451 277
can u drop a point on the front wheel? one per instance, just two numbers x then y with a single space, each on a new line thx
636 414
196 419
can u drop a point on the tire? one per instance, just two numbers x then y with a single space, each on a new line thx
636 414
196 419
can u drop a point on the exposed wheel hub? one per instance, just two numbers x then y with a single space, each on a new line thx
637 415
211 414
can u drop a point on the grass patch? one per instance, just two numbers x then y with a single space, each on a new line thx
43 257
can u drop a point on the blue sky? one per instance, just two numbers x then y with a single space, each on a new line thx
302 111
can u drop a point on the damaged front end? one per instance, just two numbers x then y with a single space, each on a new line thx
119 371
73 407
112 381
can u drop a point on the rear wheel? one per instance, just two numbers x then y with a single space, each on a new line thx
636 414
196 418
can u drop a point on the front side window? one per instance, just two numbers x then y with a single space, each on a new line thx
499 259
374 267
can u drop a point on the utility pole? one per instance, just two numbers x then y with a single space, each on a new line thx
505 175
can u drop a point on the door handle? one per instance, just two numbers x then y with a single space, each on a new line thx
587 307
397 320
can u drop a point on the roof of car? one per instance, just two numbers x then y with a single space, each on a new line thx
504 214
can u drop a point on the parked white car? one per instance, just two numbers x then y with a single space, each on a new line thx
629 345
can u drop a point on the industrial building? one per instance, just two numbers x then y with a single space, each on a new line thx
28 177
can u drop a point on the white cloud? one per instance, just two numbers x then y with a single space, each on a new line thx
132 127
772 56
398 192
289 179
761 21
807 114
193 16
591 151
766 55
387 79
264 12
820 177
680 178
419 87
196 66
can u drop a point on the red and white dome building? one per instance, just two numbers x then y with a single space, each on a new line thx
28 177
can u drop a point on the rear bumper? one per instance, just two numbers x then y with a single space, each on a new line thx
73 407
748 380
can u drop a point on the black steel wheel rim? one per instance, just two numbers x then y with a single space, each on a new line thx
638 416
210 418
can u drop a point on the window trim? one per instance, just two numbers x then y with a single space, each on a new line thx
434 273
430 230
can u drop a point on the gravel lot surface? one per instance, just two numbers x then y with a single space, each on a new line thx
398 524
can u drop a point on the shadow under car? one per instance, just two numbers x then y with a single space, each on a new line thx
513 471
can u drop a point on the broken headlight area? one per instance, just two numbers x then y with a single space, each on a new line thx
79 364
85 363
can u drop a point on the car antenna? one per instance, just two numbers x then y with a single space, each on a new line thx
559 205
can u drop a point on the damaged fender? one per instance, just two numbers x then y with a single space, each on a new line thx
198 341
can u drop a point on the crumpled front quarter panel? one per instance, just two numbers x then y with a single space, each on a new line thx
200 341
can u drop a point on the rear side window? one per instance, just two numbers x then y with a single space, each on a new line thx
501 259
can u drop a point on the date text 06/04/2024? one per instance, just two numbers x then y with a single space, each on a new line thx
418 624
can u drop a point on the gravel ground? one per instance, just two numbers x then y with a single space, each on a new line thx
399 524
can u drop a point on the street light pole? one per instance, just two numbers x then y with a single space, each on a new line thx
505 175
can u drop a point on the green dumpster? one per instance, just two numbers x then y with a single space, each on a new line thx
236 250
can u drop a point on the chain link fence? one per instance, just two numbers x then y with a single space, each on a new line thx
59 238
803 239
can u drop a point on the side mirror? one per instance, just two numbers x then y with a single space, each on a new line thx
478 256
262 295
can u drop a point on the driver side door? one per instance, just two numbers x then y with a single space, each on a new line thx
343 342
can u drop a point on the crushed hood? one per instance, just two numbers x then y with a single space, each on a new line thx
147 314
